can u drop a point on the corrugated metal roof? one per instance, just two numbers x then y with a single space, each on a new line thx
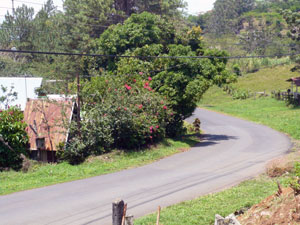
47 119
296 80
24 86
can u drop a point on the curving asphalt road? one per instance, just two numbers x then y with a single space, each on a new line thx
232 150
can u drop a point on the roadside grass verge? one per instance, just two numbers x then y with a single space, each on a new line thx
202 210
41 175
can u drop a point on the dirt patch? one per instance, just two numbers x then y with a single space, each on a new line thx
284 164
275 210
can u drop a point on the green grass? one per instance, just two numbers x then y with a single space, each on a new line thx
202 210
264 110
268 79
47 174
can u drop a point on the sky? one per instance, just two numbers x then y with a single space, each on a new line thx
194 6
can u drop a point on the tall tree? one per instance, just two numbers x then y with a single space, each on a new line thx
225 12
17 29
293 21
85 20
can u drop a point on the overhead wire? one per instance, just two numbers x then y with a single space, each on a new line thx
145 57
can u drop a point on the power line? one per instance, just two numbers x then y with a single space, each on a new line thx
35 3
145 57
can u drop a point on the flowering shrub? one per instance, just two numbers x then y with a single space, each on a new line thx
13 138
127 114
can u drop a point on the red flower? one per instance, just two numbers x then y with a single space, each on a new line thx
11 113
165 107
125 108
127 87
134 80
151 137
140 106
141 73
149 78
157 127
147 84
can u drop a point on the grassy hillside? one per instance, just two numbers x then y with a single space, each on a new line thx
264 110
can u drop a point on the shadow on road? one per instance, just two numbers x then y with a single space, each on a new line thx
213 139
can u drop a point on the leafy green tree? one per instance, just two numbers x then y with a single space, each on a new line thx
85 20
293 21
17 29
49 29
201 20
182 81
225 12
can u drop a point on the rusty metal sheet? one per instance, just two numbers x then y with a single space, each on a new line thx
48 119
296 80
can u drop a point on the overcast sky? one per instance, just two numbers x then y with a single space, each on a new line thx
194 6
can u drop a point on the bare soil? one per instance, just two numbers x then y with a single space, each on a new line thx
277 209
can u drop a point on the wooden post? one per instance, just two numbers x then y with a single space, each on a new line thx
117 212
78 105
124 214
158 216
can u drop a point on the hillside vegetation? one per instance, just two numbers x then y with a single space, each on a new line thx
264 110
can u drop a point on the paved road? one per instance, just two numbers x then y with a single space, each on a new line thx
232 150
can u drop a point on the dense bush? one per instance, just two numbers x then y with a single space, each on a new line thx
124 115
13 138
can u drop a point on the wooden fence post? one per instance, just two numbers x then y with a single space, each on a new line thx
158 216
117 212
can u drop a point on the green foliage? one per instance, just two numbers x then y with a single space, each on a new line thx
17 30
136 32
201 20
181 81
225 12
122 114
293 21
85 20
295 181
235 92
13 138
237 70
8 97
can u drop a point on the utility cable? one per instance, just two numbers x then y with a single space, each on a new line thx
145 57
